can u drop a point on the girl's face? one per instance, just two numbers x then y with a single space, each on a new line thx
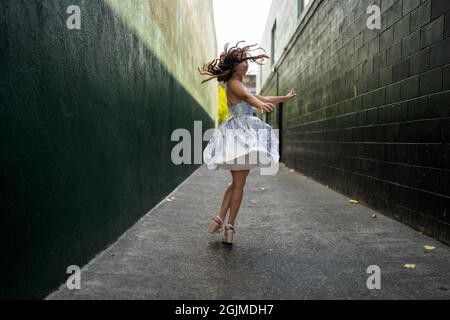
242 68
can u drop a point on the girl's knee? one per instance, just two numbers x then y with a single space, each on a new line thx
239 179
238 184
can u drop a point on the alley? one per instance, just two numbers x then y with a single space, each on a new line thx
295 239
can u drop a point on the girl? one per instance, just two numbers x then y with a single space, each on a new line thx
242 136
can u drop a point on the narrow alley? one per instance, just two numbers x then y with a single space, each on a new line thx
295 239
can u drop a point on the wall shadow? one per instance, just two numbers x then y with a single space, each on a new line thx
86 122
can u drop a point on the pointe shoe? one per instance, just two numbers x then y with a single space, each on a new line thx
229 233
216 225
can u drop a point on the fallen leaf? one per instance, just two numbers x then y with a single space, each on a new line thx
429 248
169 200
292 170
353 201
263 188
374 216
172 198
410 266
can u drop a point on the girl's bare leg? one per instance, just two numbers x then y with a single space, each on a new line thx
239 179
226 202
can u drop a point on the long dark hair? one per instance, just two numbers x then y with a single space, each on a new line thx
222 68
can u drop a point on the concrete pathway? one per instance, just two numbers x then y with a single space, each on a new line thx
296 239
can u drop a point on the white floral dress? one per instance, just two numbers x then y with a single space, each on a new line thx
242 142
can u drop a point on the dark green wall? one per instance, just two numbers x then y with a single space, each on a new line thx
86 119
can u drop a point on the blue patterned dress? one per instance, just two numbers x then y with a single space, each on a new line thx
242 142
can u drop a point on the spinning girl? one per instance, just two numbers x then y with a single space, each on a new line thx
242 142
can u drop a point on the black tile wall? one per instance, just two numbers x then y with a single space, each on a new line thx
372 119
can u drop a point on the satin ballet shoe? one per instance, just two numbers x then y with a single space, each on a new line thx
216 226
229 233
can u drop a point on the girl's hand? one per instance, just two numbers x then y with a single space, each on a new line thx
267 107
291 95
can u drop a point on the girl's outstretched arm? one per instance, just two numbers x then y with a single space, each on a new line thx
276 99
240 91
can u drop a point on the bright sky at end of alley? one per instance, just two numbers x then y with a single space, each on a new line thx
240 20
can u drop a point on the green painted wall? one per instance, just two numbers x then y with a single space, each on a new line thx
86 122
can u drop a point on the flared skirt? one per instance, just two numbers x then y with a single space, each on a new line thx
242 143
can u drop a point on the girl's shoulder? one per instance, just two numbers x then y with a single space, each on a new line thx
234 82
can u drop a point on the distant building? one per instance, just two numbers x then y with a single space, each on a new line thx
283 20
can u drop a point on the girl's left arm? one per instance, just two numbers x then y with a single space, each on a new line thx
272 99
276 99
